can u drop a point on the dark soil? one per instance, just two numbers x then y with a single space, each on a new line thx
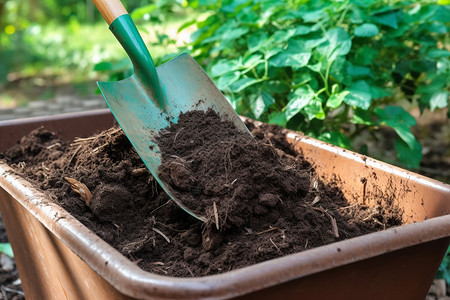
232 179
268 202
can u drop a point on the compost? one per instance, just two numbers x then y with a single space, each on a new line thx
260 198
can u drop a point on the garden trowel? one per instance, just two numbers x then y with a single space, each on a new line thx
151 98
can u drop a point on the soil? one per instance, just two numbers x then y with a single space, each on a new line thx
260 198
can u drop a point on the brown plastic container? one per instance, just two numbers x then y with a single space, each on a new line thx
59 258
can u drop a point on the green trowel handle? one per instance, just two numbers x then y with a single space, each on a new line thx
124 29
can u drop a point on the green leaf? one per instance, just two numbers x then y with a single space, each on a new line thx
297 100
359 95
227 79
439 99
224 66
227 34
404 132
316 67
272 51
437 53
6 249
256 41
394 115
242 84
379 92
366 30
252 61
336 138
262 103
336 42
278 118
364 117
103 66
400 120
314 109
302 30
336 99
281 36
313 16
116 66
388 19
358 71
301 78
294 60
276 86
186 25
141 11
411 157
365 55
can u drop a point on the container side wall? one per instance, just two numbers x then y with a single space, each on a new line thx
405 274
47 267
369 181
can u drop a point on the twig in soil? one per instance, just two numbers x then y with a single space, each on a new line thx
176 135
347 207
133 247
379 223
73 155
54 145
216 215
79 140
334 227
44 167
168 227
95 150
158 263
278 249
189 270
161 270
267 230
162 234
160 207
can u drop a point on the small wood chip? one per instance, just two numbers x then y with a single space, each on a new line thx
267 230
139 172
317 199
334 226
80 188
216 215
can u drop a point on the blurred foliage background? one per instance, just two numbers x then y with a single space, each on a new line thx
358 74
45 44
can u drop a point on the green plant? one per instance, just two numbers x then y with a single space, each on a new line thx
444 268
332 69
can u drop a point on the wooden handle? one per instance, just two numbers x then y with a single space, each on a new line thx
110 9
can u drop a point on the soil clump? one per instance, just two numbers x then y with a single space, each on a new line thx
268 203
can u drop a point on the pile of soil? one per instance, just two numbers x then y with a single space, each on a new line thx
227 176
260 201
